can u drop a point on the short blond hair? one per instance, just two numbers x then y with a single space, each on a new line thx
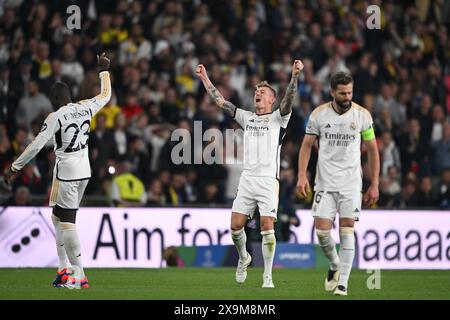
267 85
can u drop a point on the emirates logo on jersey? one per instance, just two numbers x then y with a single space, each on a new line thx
353 126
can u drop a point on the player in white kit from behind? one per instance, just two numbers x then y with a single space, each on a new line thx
69 127
258 185
340 126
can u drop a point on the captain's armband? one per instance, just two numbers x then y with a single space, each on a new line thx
368 134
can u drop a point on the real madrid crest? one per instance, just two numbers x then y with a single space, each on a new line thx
353 126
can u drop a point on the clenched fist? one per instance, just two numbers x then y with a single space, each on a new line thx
200 71
297 67
103 62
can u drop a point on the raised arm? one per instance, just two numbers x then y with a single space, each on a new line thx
100 100
215 95
288 99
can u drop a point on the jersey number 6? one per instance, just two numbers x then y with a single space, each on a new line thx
318 196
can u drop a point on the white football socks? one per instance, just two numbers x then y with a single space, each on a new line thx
328 246
269 243
63 262
346 254
240 239
72 245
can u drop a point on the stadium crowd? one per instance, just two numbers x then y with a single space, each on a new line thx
401 75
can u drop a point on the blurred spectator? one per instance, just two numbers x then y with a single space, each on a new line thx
110 111
191 188
441 150
333 65
112 31
132 108
386 100
286 218
286 211
101 149
20 198
390 190
155 194
138 156
46 162
139 126
45 83
414 148
19 142
390 155
424 117
384 123
409 195
9 96
169 108
163 60
179 146
157 136
20 80
426 196
135 47
6 152
42 59
33 106
4 48
127 189
175 192
70 67
438 117
120 142
189 107
444 189
432 83
366 77
210 194
30 177
185 81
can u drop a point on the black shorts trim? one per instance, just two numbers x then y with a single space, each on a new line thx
72 180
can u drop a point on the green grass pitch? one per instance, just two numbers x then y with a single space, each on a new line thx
219 284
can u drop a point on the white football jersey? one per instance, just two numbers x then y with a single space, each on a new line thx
339 162
263 135
69 127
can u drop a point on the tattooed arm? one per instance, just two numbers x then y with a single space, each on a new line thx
215 95
288 99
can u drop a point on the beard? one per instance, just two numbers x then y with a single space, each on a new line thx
344 106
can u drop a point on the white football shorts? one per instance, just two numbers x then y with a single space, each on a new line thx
327 204
257 191
67 194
